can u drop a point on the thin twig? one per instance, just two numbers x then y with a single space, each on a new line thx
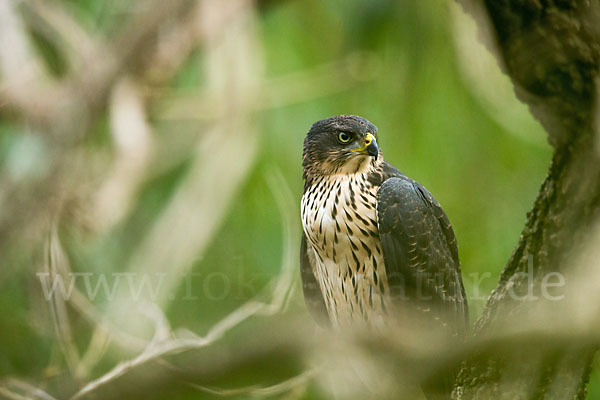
56 266
255 390
29 391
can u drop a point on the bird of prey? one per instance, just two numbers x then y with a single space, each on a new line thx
372 236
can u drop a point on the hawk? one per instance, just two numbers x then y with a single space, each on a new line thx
372 236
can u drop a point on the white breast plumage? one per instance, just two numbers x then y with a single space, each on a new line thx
339 218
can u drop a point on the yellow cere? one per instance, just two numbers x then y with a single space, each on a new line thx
368 140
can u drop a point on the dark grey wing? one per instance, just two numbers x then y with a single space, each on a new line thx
420 251
312 292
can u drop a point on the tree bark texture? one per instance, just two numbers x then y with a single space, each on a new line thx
551 51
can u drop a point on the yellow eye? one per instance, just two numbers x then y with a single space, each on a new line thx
344 137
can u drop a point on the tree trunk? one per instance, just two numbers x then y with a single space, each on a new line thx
551 51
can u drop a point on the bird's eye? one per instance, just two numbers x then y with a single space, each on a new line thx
344 137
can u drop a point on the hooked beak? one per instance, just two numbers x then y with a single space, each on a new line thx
370 147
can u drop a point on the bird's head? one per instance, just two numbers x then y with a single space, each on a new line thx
344 144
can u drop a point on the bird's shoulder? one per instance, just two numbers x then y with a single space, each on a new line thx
384 172
402 193
393 186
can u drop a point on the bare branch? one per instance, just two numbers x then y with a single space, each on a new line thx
16 389
56 264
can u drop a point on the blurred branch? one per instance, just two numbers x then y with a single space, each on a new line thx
132 137
70 106
58 26
268 391
15 389
56 264
204 364
131 42
292 88
183 36
24 81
